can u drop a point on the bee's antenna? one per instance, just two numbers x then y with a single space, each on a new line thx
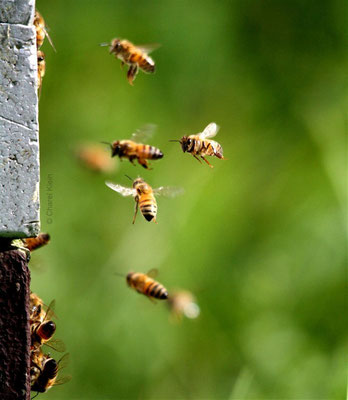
129 177
174 140
104 44
109 144
118 274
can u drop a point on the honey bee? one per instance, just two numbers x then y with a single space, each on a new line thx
44 371
95 158
135 56
184 303
144 196
43 328
41 69
146 285
201 145
41 31
136 151
35 243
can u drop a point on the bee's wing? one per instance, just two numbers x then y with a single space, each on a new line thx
148 48
124 191
64 361
62 380
50 310
210 131
169 191
152 273
56 344
49 39
144 133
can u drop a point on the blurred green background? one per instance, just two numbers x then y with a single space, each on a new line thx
260 239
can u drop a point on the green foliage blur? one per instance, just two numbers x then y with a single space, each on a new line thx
260 239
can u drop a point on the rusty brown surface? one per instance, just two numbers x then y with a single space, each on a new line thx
14 326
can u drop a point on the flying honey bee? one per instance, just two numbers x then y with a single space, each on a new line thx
144 196
135 56
41 31
146 285
183 303
201 145
43 328
44 371
95 158
41 69
35 243
136 151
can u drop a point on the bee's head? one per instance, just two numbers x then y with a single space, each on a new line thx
40 56
137 182
129 278
116 46
116 148
186 143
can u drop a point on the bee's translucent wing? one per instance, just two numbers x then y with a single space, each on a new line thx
50 40
56 344
210 131
152 273
144 133
148 48
50 310
124 191
64 361
169 191
62 380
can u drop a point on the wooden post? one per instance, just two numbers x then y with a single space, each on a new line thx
19 189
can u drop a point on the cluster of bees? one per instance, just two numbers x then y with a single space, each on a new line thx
44 369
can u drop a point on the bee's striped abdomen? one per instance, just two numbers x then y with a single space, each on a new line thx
148 152
147 64
148 206
156 290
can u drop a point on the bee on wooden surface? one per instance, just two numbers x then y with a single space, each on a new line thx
43 328
95 158
133 150
41 31
183 303
146 285
41 69
201 145
35 243
144 196
135 56
44 371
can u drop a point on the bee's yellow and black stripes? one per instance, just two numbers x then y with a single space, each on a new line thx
146 285
145 151
148 206
37 242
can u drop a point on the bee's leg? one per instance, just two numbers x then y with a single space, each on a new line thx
133 69
122 64
143 163
131 159
136 209
194 155
211 166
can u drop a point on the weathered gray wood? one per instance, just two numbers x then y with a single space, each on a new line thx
19 145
